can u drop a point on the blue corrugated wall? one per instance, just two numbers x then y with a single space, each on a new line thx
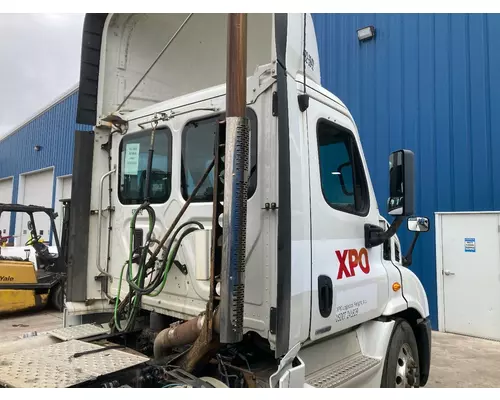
429 83
54 131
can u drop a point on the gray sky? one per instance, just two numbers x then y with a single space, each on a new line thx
40 59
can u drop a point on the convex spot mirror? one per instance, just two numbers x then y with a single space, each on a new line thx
30 225
401 200
418 224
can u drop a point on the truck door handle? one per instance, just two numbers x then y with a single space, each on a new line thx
448 272
325 295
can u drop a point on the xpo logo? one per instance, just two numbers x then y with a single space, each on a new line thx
350 259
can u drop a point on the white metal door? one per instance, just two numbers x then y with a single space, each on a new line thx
37 190
5 197
349 281
471 274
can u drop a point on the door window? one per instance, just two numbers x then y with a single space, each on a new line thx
134 150
341 171
198 152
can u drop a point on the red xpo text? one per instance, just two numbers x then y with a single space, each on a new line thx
350 259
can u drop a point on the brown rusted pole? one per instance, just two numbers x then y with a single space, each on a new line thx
236 65
235 185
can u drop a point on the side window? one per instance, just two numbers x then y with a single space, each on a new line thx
134 150
198 150
342 175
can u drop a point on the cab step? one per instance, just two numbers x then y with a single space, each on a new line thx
78 332
342 371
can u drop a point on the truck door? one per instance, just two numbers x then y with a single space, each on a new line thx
349 281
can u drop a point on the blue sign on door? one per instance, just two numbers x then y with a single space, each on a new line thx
470 245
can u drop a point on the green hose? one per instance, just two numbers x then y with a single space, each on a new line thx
134 283
156 284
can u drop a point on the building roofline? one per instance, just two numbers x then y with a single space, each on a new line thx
52 104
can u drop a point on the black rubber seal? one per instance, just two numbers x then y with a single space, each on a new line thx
283 300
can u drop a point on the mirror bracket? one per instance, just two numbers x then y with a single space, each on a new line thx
407 259
375 235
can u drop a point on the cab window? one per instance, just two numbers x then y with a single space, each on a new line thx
134 150
343 181
198 151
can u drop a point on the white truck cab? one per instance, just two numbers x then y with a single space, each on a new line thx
326 289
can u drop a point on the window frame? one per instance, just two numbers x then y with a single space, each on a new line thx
168 132
357 164
251 114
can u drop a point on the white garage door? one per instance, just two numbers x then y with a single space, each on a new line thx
66 187
37 191
63 192
5 197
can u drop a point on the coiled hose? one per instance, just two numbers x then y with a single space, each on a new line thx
148 267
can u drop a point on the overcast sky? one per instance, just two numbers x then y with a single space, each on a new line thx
39 60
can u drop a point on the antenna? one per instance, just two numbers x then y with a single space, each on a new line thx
303 99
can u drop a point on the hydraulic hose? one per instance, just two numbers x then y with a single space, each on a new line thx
157 279
170 261
136 283
138 280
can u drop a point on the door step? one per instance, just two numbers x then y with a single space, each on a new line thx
336 374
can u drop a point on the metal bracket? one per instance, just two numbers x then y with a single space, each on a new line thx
270 206
186 378
96 212
261 84
106 146
182 267
275 104
273 321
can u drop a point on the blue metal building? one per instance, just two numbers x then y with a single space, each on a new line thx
429 83
40 148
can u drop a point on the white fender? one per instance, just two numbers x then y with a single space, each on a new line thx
414 292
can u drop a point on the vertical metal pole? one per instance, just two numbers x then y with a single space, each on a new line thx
235 184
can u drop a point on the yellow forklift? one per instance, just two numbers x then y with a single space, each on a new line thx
25 285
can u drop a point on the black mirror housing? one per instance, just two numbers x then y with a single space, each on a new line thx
401 202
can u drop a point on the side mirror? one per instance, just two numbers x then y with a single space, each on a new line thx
401 200
418 224
30 225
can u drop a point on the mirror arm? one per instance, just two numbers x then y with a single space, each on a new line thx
407 259
375 235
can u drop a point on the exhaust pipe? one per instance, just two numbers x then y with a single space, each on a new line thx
228 322
181 335
235 184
